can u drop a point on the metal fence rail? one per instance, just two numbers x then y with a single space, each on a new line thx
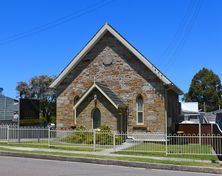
13 134
4 133
96 140
194 144
73 140
142 142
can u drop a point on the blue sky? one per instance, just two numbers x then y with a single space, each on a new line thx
41 37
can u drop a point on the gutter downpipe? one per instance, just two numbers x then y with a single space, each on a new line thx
165 114
166 106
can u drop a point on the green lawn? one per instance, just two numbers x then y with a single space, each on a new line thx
189 151
54 145
121 158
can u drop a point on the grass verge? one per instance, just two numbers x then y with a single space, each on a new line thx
87 148
187 151
118 158
136 150
159 154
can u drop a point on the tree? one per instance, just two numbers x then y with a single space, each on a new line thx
38 88
206 89
23 89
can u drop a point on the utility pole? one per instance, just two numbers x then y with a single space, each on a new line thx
18 122
18 125
204 107
5 107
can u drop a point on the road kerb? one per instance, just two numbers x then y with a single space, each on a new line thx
115 162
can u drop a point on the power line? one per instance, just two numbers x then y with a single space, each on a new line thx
186 34
176 36
189 21
56 22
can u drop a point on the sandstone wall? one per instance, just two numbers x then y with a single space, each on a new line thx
126 76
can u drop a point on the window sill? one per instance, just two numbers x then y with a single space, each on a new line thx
140 127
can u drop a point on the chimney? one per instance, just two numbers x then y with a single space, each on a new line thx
1 90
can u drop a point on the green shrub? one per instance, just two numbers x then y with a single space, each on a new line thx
53 119
80 128
105 128
42 120
104 136
119 140
79 137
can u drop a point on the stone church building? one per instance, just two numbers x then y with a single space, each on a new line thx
110 82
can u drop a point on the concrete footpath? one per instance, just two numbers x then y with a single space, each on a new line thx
109 161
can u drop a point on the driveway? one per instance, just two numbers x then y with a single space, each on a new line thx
10 166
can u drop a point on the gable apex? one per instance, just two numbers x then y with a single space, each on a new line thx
103 30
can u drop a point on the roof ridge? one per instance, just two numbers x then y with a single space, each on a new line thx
107 27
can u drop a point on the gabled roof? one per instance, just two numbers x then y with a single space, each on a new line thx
107 28
7 107
107 92
6 97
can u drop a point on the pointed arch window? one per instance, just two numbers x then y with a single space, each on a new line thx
140 110
96 118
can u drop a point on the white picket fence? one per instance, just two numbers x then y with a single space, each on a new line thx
103 140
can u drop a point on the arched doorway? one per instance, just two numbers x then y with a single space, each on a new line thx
96 118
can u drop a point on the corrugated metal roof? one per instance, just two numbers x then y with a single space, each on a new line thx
7 107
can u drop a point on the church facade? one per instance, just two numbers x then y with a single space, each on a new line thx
110 82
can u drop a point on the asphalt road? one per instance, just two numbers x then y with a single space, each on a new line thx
10 166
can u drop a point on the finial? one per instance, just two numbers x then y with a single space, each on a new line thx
94 79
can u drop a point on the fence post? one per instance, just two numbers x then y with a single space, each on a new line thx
114 140
94 140
212 134
38 133
199 133
18 134
8 134
166 144
49 136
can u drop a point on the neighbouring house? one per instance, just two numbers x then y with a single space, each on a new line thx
189 108
192 121
8 107
190 114
215 117
110 82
